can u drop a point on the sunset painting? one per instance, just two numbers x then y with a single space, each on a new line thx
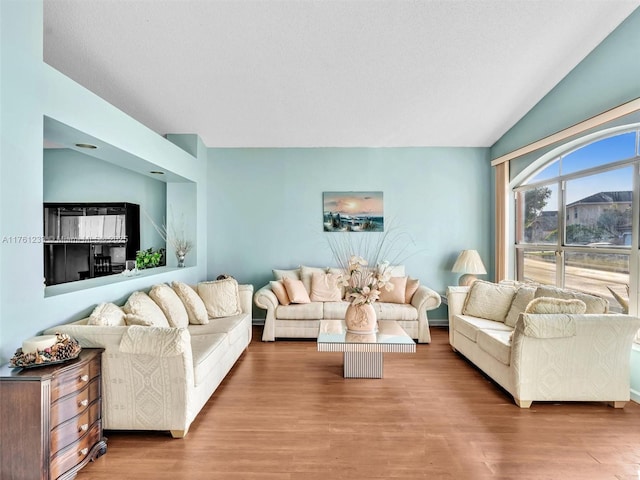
353 212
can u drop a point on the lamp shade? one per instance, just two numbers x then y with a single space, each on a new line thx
469 261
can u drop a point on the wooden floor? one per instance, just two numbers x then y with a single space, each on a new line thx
285 412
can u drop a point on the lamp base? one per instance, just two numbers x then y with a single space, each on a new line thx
467 279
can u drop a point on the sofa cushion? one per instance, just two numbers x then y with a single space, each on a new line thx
397 294
221 297
296 291
594 304
306 275
556 305
325 287
470 326
412 287
489 300
496 343
131 319
208 351
170 304
107 315
520 301
196 311
335 310
395 311
277 287
305 311
141 305
281 274
227 325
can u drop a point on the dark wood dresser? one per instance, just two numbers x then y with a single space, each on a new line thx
51 418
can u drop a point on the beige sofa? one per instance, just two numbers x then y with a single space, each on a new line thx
543 357
158 378
303 320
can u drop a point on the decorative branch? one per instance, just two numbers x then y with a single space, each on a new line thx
175 235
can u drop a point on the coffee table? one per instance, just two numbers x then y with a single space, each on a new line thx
363 354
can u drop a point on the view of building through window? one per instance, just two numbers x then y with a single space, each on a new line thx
574 220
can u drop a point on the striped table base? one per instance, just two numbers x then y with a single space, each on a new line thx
363 364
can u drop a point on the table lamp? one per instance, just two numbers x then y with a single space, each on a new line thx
470 264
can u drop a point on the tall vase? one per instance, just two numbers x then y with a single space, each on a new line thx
361 318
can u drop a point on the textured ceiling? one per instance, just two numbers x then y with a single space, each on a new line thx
308 73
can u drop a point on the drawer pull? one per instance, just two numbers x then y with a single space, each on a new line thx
84 378
84 427
83 452
83 403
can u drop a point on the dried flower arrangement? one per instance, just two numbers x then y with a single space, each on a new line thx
174 235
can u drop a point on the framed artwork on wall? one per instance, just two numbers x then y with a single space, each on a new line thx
353 212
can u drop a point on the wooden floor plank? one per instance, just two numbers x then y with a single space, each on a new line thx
284 412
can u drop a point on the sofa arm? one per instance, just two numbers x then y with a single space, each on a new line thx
572 357
456 296
267 300
424 299
142 367
246 297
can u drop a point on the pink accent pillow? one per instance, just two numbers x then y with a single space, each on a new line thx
397 295
277 287
296 291
412 288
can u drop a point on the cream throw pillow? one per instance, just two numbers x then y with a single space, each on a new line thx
593 303
140 304
131 319
306 274
221 297
196 311
556 305
296 291
170 304
412 287
520 301
281 274
324 287
488 300
107 315
397 294
277 287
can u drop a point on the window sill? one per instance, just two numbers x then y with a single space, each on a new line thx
70 287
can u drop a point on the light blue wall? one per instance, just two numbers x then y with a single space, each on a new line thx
29 90
265 206
607 77
71 176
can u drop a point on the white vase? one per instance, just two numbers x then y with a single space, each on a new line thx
361 318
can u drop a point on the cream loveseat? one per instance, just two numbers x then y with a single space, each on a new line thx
408 304
543 356
160 377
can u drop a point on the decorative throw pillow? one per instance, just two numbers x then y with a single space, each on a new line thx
341 275
221 297
196 311
281 274
397 294
306 274
594 303
412 288
296 291
324 287
170 304
520 301
107 315
556 305
140 304
277 287
488 300
131 319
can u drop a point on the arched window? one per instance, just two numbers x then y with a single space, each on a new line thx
576 219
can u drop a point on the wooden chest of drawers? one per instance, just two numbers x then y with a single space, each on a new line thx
51 419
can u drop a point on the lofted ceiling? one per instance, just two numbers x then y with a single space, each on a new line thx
314 73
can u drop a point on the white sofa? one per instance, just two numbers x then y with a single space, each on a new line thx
156 378
303 320
545 357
